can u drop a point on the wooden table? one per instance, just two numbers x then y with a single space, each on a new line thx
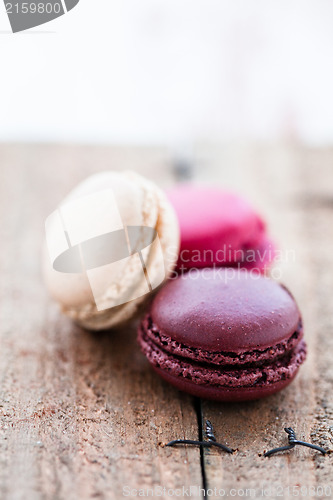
83 416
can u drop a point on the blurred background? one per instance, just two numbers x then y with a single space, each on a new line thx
237 93
171 73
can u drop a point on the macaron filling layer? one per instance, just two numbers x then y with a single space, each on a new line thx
235 375
242 357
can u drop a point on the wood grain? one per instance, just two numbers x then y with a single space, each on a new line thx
82 415
295 187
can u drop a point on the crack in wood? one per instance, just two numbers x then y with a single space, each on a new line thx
201 432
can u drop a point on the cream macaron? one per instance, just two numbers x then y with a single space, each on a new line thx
110 243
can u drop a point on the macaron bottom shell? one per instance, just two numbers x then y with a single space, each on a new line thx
220 393
258 259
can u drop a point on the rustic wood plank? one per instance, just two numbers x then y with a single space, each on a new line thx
67 429
294 186
81 414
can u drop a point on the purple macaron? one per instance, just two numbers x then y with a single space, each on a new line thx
224 334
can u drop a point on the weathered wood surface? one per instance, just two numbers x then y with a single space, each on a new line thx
82 415
295 189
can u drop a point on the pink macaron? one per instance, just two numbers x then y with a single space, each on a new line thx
219 228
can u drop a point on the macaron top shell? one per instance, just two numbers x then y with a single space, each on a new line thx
228 310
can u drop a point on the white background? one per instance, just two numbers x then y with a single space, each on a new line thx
157 71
